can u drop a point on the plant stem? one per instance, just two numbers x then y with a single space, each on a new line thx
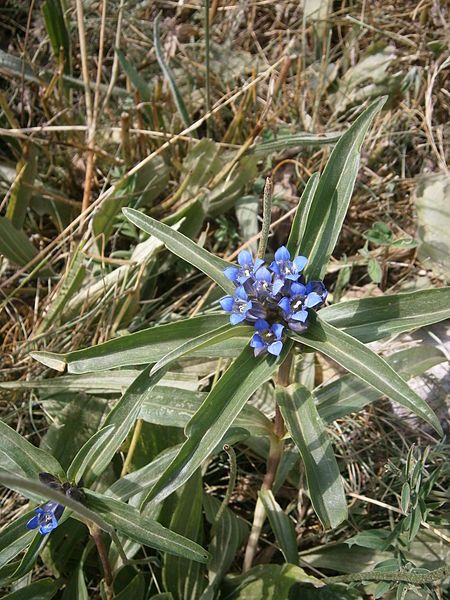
96 535
231 484
132 448
207 67
267 217
275 454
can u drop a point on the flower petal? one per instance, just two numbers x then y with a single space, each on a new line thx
301 316
275 348
258 263
227 303
257 341
33 523
236 318
312 300
277 285
298 289
275 268
285 305
282 254
241 293
300 262
245 258
277 329
231 273
263 274
262 325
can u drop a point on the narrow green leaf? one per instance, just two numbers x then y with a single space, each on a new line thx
15 245
134 76
76 588
178 98
203 341
215 416
17 455
140 528
370 319
308 432
182 246
282 526
406 497
88 452
298 226
142 347
55 24
14 538
350 394
333 194
184 578
364 363
290 141
227 536
122 418
30 557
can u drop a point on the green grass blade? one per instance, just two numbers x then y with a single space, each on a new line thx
308 432
364 363
55 24
298 226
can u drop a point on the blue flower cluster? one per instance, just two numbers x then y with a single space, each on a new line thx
46 517
272 298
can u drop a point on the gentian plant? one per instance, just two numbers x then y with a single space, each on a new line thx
267 315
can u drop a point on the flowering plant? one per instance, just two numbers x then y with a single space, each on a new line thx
266 323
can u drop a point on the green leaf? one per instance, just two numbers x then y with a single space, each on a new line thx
184 578
282 526
333 194
405 497
140 528
227 536
182 246
103 220
136 589
350 394
121 418
134 76
298 226
203 341
289 141
308 432
142 347
364 363
76 588
17 455
370 319
44 589
374 270
87 454
30 557
57 32
14 538
215 416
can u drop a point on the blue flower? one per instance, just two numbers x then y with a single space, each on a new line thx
248 268
238 306
46 517
268 338
284 268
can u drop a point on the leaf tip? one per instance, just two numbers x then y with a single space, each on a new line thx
50 359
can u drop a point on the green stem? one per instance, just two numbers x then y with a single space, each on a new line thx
132 448
267 217
231 484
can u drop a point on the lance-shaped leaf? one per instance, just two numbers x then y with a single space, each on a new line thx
363 362
350 394
215 416
14 538
282 526
203 341
333 194
122 418
308 432
17 455
182 246
369 319
140 528
301 216
184 578
143 347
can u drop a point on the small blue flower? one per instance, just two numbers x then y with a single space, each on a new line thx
248 268
267 338
238 306
284 268
46 517
316 294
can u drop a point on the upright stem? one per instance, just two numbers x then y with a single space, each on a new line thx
96 535
267 217
207 67
273 462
